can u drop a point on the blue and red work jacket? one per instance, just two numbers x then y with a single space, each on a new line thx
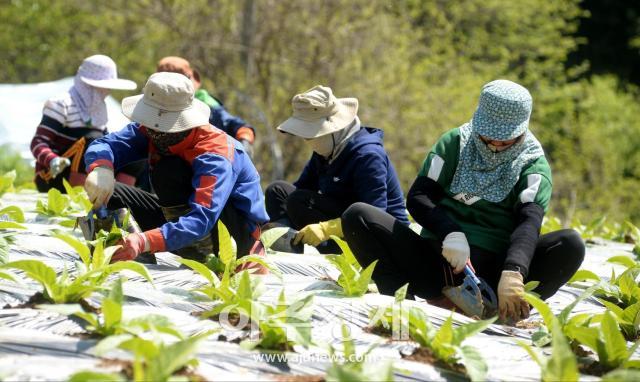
222 172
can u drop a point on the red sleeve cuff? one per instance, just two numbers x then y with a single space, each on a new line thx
156 240
245 133
100 163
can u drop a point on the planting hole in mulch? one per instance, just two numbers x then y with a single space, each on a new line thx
425 355
592 368
298 378
126 368
528 324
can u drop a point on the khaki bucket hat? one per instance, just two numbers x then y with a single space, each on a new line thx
318 112
167 104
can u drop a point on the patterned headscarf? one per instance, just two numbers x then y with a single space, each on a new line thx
503 114
162 141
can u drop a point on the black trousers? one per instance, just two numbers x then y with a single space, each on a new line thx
171 181
406 257
297 208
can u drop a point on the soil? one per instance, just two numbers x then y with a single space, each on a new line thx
579 350
425 355
593 368
378 330
528 324
126 368
224 338
234 319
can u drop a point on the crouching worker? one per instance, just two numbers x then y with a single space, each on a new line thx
480 197
71 120
199 175
349 164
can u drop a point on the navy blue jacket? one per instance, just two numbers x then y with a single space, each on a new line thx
361 173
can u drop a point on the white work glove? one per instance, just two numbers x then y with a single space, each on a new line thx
511 302
99 186
57 166
455 249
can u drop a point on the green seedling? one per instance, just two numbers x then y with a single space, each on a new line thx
562 364
351 366
6 182
543 336
607 341
446 343
240 300
153 359
13 213
57 204
628 318
237 294
284 325
621 290
111 322
78 196
7 237
353 279
394 317
227 260
89 277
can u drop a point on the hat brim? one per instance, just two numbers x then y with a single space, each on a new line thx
115 83
487 127
308 129
136 109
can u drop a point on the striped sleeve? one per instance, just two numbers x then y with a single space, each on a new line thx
47 134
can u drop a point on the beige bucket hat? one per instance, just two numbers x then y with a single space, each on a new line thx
318 112
167 104
100 71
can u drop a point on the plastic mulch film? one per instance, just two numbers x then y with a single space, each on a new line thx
58 345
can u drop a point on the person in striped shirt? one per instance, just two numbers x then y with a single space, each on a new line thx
71 120
480 198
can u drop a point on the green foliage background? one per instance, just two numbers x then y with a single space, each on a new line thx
416 66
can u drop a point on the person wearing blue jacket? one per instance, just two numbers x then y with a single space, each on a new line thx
348 165
220 116
199 175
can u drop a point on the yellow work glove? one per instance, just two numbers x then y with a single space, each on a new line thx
511 302
314 234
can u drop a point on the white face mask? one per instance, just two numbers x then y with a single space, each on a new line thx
322 145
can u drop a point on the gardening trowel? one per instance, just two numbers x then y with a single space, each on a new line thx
98 219
474 296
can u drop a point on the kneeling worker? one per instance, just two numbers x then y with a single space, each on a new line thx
199 174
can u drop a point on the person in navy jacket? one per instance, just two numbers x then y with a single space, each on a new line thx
348 165
199 174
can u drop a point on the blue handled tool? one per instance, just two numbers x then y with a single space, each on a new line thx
474 296
96 220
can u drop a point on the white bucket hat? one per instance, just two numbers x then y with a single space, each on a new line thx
318 112
167 104
100 71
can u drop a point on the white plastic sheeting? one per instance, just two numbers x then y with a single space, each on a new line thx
35 337
21 110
